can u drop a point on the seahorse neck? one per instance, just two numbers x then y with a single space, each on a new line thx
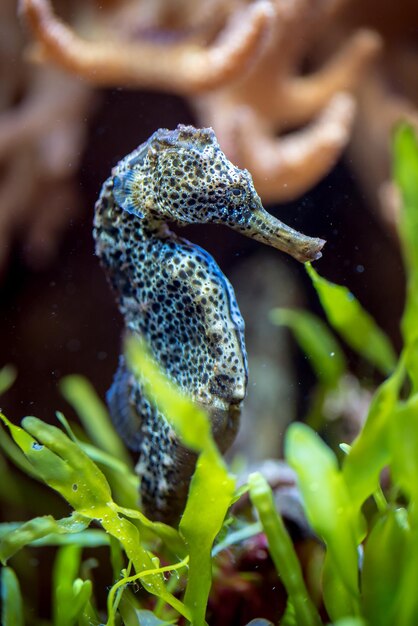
153 229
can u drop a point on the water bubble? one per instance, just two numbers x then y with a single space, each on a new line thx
37 446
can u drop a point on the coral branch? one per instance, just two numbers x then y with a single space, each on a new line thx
301 98
52 97
185 68
285 168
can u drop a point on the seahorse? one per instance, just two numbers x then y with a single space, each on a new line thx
172 293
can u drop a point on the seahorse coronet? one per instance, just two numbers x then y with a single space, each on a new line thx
173 294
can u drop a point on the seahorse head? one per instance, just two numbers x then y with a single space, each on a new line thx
194 181
183 176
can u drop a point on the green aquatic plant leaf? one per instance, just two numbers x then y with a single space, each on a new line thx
38 528
403 441
387 545
63 465
282 552
210 495
10 485
15 454
403 427
237 536
328 507
405 166
11 599
115 595
405 150
353 323
66 468
129 609
71 594
91 538
212 488
370 451
119 475
338 602
168 534
316 340
406 599
94 416
7 378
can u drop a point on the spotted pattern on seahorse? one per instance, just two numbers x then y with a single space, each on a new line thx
173 294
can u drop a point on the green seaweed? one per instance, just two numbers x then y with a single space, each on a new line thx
370 451
282 552
389 438
11 597
329 511
36 529
322 351
353 323
316 340
93 414
67 469
386 545
7 378
71 594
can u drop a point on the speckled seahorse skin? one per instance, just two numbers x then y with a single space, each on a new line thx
173 294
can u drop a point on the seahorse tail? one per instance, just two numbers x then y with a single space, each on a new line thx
165 478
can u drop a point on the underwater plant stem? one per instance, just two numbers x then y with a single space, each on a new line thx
211 492
380 500
238 536
282 552
139 576
128 535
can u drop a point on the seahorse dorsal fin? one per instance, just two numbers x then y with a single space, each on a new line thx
123 192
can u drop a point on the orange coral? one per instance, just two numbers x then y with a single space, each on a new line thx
184 67
273 97
41 135
245 57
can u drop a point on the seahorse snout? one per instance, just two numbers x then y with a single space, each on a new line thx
267 229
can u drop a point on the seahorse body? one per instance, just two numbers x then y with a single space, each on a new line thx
173 294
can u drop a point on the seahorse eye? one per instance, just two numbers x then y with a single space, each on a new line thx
237 195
